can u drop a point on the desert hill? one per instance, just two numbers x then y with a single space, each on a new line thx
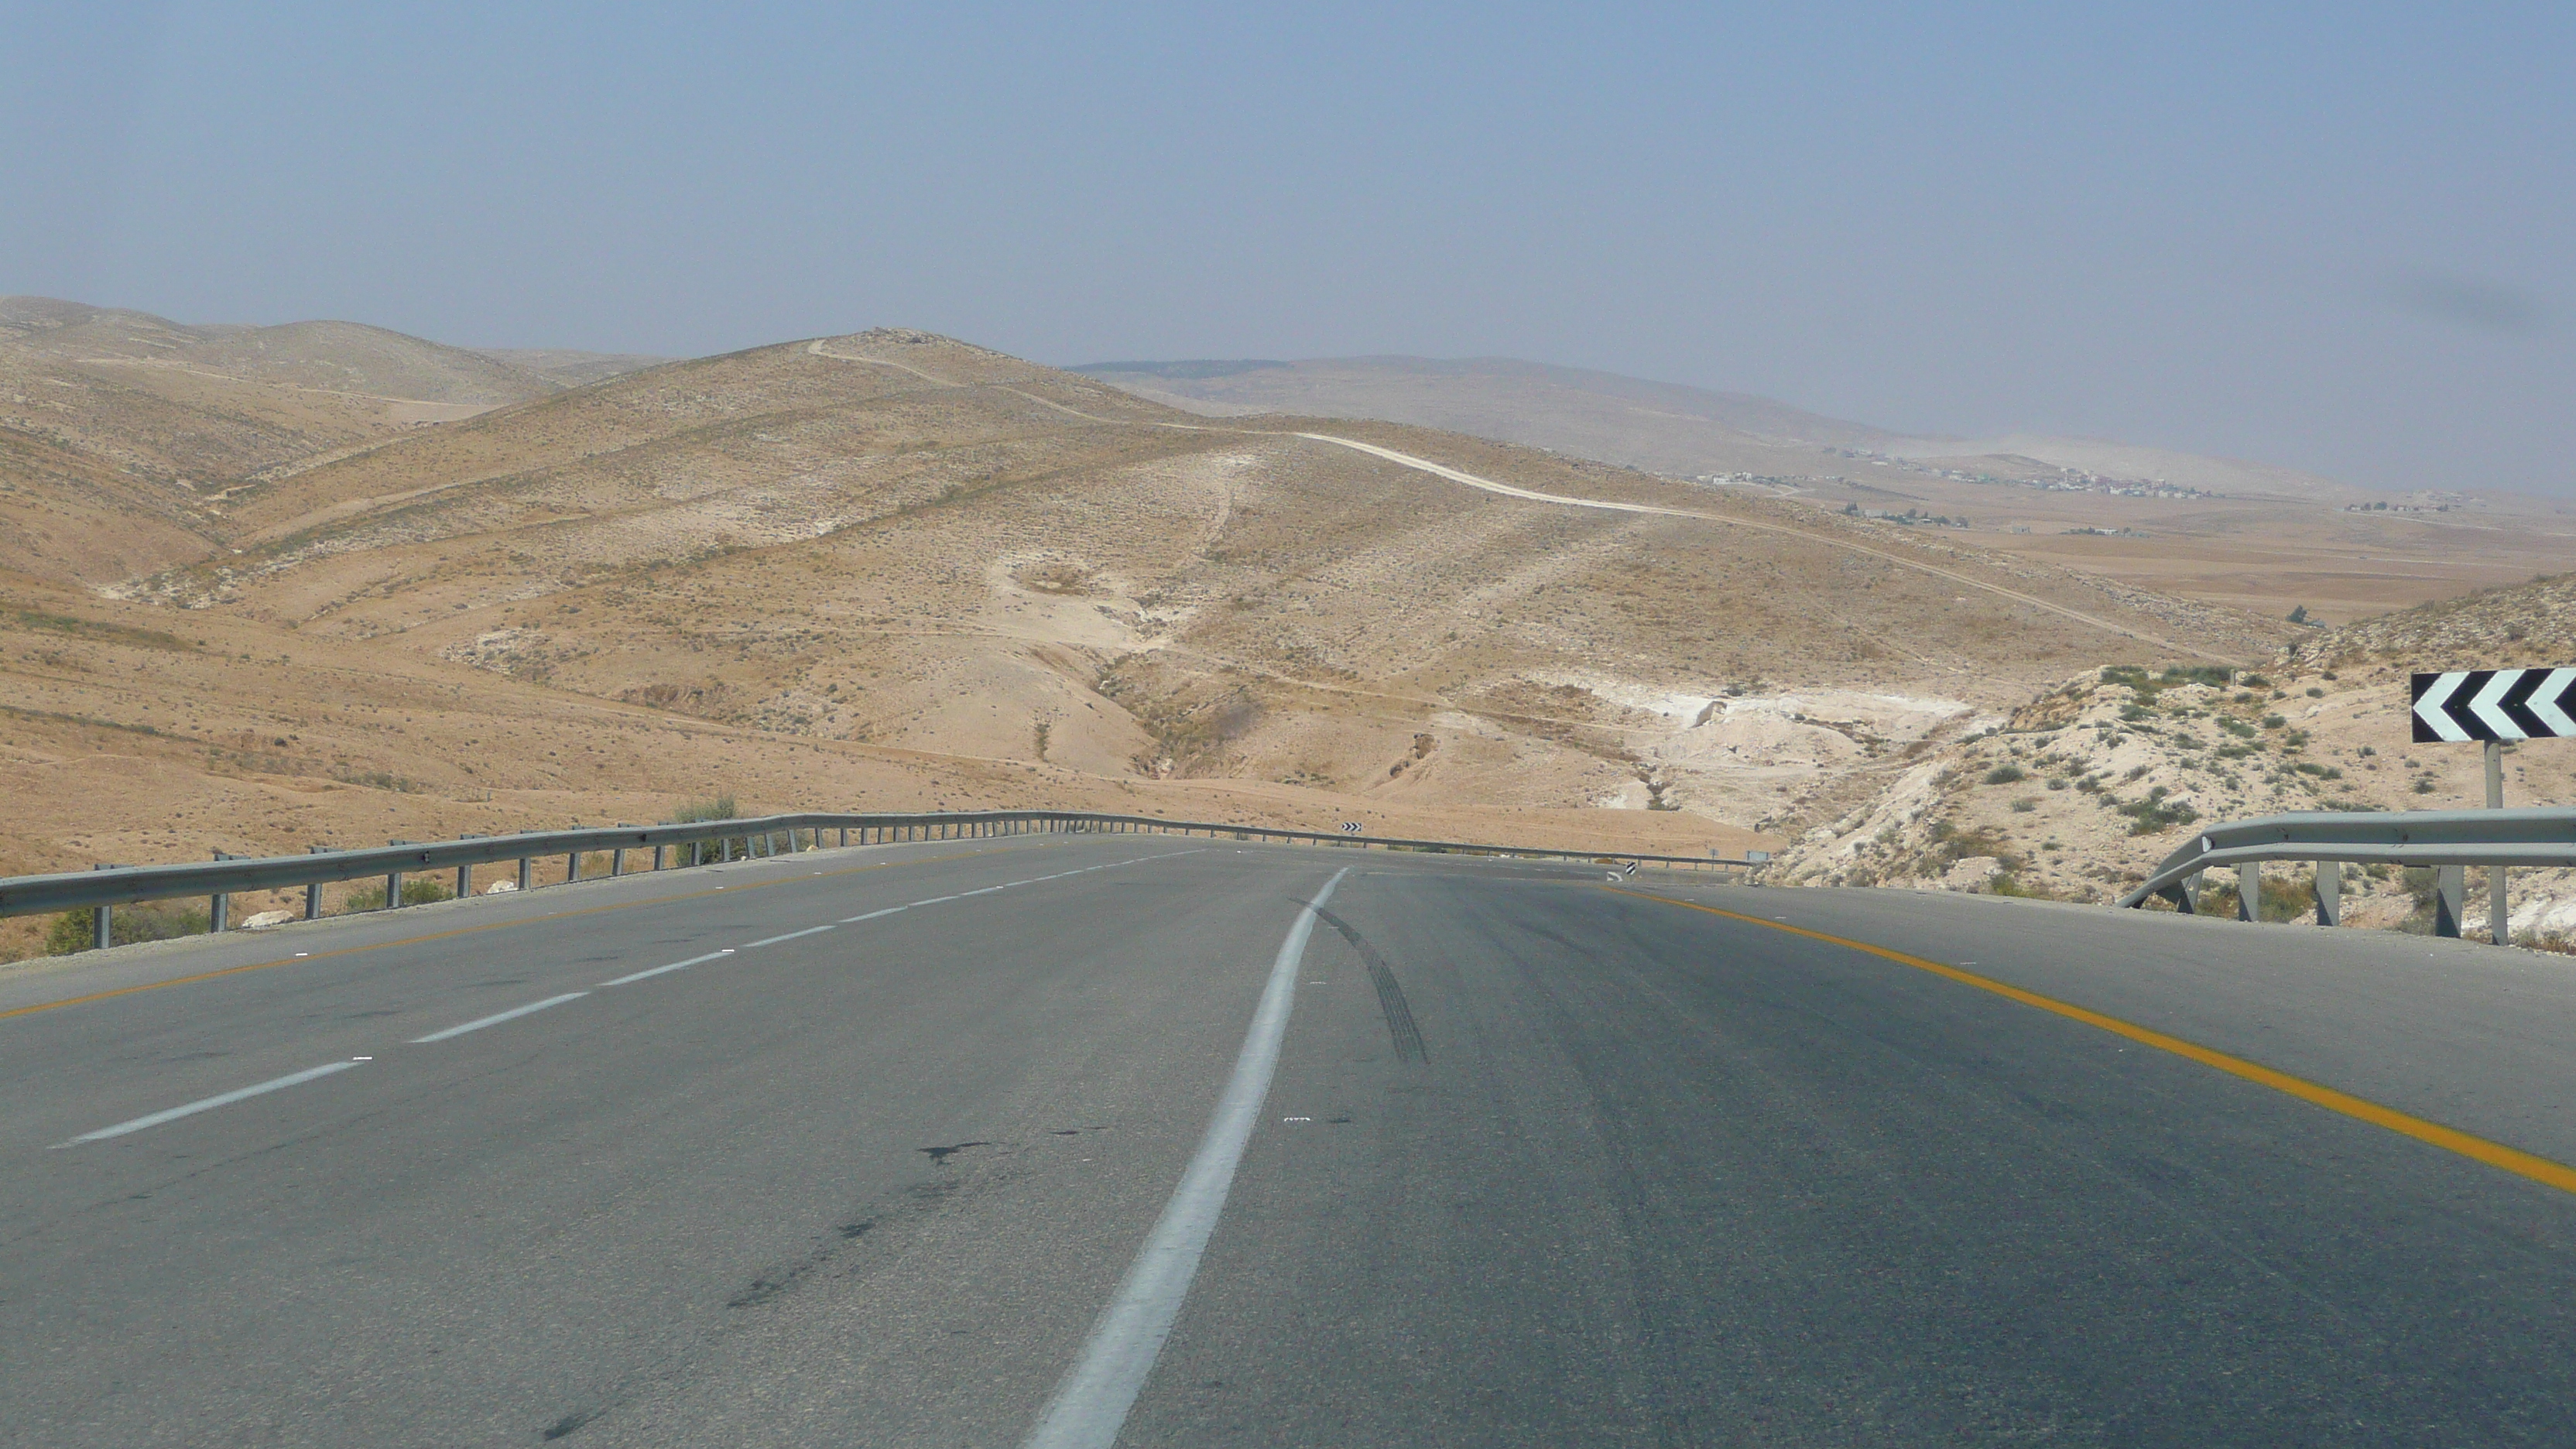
898 569
1658 427
569 367
323 356
123 431
1654 426
2244 534
903 539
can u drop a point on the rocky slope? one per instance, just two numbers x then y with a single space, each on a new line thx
2077 793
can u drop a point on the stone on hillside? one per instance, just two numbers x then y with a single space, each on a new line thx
265 919
499 886
1974 873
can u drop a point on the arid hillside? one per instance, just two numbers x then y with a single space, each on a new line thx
903 540
896 569
2090 783
122 434
2229 531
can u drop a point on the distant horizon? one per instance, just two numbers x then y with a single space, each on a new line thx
1249 363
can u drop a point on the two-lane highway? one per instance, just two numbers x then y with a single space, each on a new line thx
930 1145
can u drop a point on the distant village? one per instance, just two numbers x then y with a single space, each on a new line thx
2057 480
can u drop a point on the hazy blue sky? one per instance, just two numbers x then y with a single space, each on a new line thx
2337 236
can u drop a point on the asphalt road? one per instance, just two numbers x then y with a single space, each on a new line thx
1535 1160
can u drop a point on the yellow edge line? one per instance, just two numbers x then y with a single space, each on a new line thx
468 931
2493 1154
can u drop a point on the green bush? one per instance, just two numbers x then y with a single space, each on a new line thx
2006 774
2283 900
2154 815
143 921
418 890
696 852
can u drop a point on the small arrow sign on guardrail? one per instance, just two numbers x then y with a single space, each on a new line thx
2495 704
1350 827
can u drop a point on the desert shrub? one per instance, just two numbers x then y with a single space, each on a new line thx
2006 774
2025 805
717 807
2007 883
2255 681
2315 693
143 921
2057 782
2283 900
417 890
2155 814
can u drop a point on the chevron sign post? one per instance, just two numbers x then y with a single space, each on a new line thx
2495 704
2492 707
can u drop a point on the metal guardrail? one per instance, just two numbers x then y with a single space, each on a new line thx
709 841
2450 841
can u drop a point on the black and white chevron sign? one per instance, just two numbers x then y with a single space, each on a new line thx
2495 704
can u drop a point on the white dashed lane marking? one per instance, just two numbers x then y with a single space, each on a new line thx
514 1013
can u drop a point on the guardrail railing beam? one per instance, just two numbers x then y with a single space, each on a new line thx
108 886
2449 842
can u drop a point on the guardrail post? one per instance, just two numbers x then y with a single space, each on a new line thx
2499 927
527 873
572 867
657 856
313 890
102 929
393 883
2329 893
2450 893
2249 891
219 909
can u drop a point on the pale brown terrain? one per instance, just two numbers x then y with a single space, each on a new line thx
2091 783
2248 535
894 570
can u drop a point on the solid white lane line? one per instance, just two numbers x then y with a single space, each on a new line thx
498 1017
1092 1401
674 966
208 1104
872 915
790 936
934 900
986 891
